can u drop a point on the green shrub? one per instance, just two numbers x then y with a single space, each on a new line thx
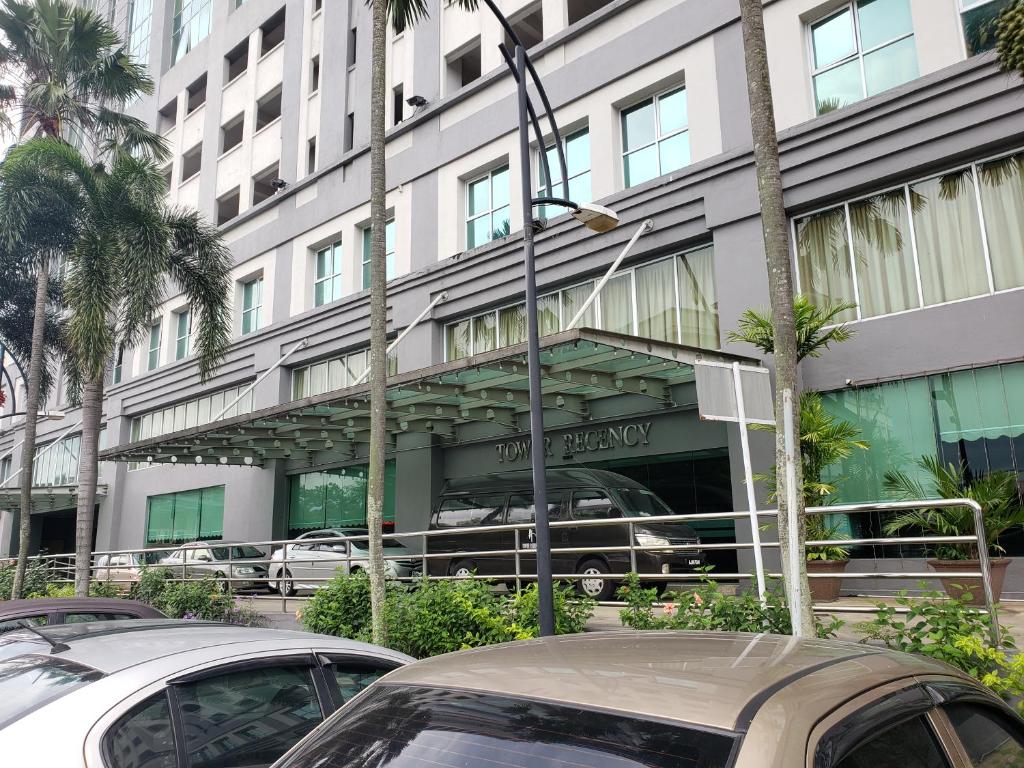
195 599
37 576
340 607
708 608
572 611
150 587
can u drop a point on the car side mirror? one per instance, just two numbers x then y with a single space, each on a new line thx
339 548
204 558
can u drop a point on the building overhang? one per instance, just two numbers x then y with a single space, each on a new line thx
578 367
46 498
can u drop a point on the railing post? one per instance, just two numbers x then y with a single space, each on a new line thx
280 578
231 573
986 572
519 582
423 556
632 549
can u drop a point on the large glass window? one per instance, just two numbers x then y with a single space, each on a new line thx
57 463
327 285
191 24
864 48
487 208
153 359
143 738
979 19
910 743
389 252
989 737
175 518
335 373
655 137
950 237
140 14
674 299
183 334
335 498
577 164
252 305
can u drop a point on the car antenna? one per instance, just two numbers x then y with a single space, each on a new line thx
55 647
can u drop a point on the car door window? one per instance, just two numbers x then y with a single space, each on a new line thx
143 738
470 511
592 505
9 625
352 677
81 618
247 718
910 744
990 740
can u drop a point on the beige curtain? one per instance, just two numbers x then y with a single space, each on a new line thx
949 249
656 302
485 333
1002 202
512 325
885 259
823 259
547 315
572 300
697 303
617 305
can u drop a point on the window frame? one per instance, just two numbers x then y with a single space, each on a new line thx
542 151
965 6
181 27
654 98
468 218
334 252
179 353
366 233
257 307
155 329
859 52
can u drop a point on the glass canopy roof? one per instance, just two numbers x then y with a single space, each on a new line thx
578 367
46 498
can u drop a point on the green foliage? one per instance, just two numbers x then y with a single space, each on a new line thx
37 576
816 328
708 608
1010 38
67 589
996 492
434 617
194 599
819 530
150 586
999 670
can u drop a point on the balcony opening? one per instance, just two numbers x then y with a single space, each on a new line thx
196 94
529 26
231 133
168 116
352 39
268 109
580 9
314 74
272 33
398 104
262 186
350 129
227 206
191 162
463 68
168 176
237 60
311 156
317 6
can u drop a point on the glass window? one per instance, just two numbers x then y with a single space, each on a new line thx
592 505
485 333
656 307
577 164
191 24
979 21
247 718
989 738
823 259
154 346
118 365
252 306
327 285
389 252
183 334
470 511
352 678
140 13
143 738
336 498
617 304
882 248
655 137
29 681
698 303
910 744
865 48
13 624
174 518
1002 203
487 208
455 728
457 340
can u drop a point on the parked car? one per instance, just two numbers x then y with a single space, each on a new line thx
669 699
573 494
245 564
314 559
129 694
70 610
122 569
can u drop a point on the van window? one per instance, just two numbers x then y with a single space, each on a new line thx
638 502
520 508
592 505
470 511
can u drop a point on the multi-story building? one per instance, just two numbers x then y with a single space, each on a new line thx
901 146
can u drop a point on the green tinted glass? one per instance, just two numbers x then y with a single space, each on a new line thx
890 66
672 114
833 39
638 127
882 20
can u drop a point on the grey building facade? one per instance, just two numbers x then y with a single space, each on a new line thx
901 153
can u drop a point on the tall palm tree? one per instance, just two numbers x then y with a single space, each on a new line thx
61 68
128 245
403 13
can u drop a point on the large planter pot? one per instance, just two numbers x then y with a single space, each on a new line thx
825 590
957 587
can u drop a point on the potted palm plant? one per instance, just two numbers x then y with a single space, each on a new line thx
827 558
1000 501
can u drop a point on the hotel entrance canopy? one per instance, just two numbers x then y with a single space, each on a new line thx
579 366
46 498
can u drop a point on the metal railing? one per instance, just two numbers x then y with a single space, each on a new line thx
284 557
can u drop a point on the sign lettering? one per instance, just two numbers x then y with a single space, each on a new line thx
586 441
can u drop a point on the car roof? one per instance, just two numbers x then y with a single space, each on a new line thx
523 480
10 609
111 646
711 679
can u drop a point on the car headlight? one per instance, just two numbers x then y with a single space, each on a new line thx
245 570
650 540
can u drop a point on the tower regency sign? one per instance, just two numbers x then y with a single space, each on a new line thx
574 443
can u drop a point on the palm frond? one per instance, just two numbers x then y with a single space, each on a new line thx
817 327
121 132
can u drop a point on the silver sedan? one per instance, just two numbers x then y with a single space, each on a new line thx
125 694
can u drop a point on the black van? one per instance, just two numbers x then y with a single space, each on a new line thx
573 494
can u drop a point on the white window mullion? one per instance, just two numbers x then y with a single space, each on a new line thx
632 296
913 247
679 298
853 258
981 223
796 252
860 50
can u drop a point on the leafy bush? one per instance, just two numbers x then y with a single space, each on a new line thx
196 599
434 617
37 576
150 586
708 608
994 667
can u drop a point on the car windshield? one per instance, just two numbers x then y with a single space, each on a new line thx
237 553
29 682
639 502
409 727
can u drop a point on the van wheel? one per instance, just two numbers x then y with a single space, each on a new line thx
463 569
225 583
286 586
595 585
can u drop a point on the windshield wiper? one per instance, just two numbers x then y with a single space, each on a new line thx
55 647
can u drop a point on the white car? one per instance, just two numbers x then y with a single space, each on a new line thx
312 561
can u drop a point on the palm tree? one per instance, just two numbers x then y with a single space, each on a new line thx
816 328
1010 38
128 244
403 13
61 66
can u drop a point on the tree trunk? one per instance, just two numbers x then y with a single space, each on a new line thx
28 446
780 286
378 326
88 471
